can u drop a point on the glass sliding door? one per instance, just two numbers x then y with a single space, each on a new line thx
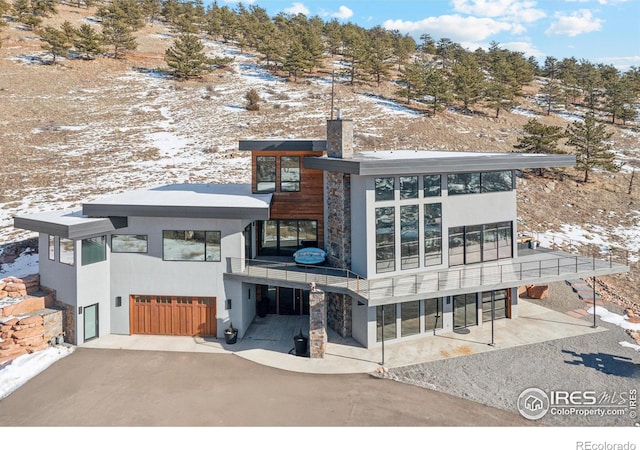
409 318
465 310
90 322
386 321
433 314
499 304
284 237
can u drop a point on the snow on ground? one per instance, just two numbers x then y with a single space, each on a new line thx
25 264
22 369
616 319
523 112
630 345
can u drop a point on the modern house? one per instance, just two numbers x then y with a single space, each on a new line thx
418 243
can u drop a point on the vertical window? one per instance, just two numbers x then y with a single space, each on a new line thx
385 240
265 173
456 246
409 318
52 248
432 184
465 310
433 314
489 242
499 305
473 244
288 234
386 321
385 188
408 187
409 237
212 245
248 242
66 251
505 240
290 173
497 181
432 234
463 183
94 250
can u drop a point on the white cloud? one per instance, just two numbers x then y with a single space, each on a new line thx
297 8
343 13
578 22
601 2
246 2
514 10
622 63
454 27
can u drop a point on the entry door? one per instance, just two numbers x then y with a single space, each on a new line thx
90 322
465 310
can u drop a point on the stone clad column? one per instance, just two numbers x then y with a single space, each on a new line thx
317 323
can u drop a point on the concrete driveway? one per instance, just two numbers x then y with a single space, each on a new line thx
96 387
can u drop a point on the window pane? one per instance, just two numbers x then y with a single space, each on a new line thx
288 237
129 243
432 185
473 244
496 181
432 234
456 246
308 233
52 248
212 239
183 245
268 238
433 314
389 322
385 240
385 188
290 173
94 250
409 237
408 187
410 318
66 251
463 183
266 173
499 302
489 243
505 240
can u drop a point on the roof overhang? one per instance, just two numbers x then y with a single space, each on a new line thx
283 145
69 224
427 162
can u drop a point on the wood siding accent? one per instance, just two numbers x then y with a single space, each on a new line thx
172 316
308 203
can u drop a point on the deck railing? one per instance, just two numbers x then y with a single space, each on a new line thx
524 270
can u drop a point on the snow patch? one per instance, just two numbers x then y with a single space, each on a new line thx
636 347
616 319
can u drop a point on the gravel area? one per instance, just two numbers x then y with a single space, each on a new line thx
593 362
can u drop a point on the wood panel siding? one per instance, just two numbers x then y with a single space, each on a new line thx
306 204
172 316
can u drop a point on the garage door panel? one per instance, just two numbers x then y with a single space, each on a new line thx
175 316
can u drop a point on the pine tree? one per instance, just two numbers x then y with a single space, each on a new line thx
128 12
380 53
88 41
618 95
589 140
468 80
354 50
68 30
55 42
4 8
119 35
437 88
294 60
498 96
412 79
186 57
539 138
551 93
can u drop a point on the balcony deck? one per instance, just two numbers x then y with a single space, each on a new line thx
540 266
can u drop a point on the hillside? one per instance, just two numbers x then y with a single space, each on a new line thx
80 129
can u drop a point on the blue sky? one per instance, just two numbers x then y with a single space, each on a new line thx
601 31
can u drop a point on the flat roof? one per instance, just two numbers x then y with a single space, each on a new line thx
400 162
282 145
68 224
215 201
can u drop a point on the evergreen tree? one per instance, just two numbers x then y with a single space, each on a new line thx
128 12
618 95
427 44
437 88
498 96
333 36
551 93
186 57
88 41
551 68
468 80
568 73
151 9
355 48
55 42
4 9
118 35
272 45
590 82
68 30
589 139
295 59
403 48
539 138
412 79
380 52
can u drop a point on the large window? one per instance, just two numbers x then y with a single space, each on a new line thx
463 183
409 237
465 310
386 321
290 173
52 248
94 250
496 181
284 237
385 188
408 187
265 173
409 318
500 303
431 185
385 240
432 234
66 250
479 243
187 245
129 243
433 314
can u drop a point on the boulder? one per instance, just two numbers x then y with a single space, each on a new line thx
538 292
26 306
37 320
28 333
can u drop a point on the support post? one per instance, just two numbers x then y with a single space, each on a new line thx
382 362
493 316
594 303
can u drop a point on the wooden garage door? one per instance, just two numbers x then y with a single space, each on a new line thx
173 316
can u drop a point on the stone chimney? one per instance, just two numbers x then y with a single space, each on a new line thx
340 137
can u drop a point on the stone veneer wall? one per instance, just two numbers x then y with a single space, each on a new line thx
69 321
317 324
339 313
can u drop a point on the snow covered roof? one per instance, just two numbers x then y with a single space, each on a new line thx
400 162
221 201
